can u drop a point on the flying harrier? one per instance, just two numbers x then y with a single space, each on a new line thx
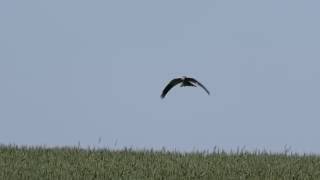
185 81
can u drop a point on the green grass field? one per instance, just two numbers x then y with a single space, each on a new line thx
76 163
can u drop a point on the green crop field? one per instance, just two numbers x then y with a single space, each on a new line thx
76 163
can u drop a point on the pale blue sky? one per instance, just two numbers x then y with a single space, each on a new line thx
80 71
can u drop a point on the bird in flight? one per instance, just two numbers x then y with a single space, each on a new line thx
185 81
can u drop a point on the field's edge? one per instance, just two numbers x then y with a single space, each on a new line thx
40 162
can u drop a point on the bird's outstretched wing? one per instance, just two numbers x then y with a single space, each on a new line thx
198 83
171 84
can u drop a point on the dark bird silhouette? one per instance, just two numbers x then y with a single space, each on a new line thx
185 81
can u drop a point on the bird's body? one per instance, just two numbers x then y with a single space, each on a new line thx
185 81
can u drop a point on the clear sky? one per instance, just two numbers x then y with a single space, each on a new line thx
93 71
